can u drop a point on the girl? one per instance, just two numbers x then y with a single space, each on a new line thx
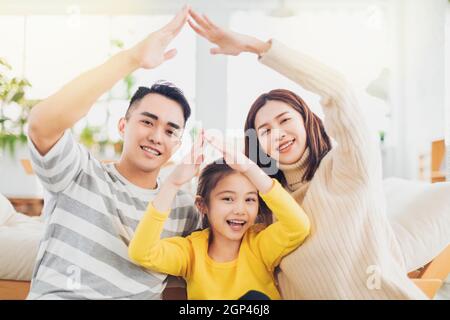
352 252
235 256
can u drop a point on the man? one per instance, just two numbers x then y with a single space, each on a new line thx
93 209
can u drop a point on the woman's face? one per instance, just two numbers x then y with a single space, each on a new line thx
281 131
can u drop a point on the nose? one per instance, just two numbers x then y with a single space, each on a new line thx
239 208
280 134
155 136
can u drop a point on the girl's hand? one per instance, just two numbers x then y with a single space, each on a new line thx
190 165
151 52
235 159
228 42
239 162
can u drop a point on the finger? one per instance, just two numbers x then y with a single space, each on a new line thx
199 140
199 159
197 29
197 170
216 143
197 149
178 21
170 54
216 50
198 19
211 24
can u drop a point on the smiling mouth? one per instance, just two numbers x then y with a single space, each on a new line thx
286 145
236 225
151 150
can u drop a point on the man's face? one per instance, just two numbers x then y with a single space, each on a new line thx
152 133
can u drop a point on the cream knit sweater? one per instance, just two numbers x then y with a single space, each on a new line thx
351 252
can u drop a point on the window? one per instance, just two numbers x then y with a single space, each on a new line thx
50 50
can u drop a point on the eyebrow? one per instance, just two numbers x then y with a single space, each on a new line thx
229 191
280 115
155 117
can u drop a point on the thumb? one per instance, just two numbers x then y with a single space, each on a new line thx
170 54
216 50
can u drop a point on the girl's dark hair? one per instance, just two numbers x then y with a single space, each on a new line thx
317 140
208 180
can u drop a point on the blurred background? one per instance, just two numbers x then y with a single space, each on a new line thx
396 53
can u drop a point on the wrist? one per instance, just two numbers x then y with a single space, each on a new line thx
251 168
172 184
257 46
130 58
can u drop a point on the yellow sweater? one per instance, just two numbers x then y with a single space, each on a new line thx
260 252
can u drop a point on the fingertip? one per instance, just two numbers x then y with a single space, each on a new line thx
170 54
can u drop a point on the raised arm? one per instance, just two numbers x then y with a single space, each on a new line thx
239 162
170 255
292 225
50 118
343 118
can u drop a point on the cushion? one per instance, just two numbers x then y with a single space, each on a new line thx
19 241
420 216
6 209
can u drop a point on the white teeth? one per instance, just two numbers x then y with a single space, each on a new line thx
156 153
237 221
284 146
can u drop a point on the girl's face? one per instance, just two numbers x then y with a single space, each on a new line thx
233 207
281 131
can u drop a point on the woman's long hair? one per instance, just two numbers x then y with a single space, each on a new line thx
317 140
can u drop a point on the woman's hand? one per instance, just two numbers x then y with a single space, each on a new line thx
228 42
151 52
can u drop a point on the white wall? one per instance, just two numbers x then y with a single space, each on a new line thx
447 89
417 37
420 83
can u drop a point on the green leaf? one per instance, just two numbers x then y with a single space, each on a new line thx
4 63
18 96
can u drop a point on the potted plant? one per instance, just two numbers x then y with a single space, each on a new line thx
12 96
14 112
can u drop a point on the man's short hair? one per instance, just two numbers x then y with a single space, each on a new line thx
166 89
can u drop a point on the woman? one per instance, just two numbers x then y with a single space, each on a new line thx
352 252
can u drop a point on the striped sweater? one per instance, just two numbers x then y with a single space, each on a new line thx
352 252
91 213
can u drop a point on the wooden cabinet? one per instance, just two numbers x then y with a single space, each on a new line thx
28 206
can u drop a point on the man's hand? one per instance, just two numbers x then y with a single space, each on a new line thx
151 52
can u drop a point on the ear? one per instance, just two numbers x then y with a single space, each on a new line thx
121 126
200 204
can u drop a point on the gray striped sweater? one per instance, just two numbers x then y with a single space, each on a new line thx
91 212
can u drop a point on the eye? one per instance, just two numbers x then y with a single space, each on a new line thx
227 199
170 133
147 123
285 120
264 132
250 200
